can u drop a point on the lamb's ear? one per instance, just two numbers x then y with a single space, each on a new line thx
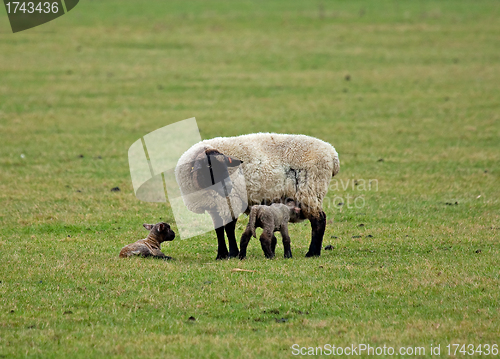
148 226
232 161
161 227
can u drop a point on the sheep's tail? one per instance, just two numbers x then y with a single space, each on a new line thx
336 162
252 218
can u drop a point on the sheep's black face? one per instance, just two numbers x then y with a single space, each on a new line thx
212 168
161 231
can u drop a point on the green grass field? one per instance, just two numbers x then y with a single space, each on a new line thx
406 91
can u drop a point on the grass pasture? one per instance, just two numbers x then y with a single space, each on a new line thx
406 91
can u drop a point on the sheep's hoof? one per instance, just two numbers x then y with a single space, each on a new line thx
310 254
167 258
242 256
288 255
233 254
221 257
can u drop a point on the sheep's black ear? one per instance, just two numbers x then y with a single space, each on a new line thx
148 226
233 162
161 227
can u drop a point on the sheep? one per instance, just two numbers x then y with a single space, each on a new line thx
271 219
275 167
150 246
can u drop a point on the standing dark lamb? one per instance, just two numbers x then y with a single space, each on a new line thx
271 219
275 167
150 246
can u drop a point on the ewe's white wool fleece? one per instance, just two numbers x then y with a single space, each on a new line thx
275 166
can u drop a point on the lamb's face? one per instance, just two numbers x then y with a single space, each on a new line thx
294 211
161 231
210 168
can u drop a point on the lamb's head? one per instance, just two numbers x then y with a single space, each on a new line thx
161 231
294 211
211 167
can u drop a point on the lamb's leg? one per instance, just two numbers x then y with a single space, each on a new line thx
159 254
265 242
245 238
286 241
222 251
231 237
273 244
318 225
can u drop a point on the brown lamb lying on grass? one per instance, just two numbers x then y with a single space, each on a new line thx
271 219
150 246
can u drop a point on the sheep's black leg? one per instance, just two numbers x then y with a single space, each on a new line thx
222 252
233 246
245 238
318 225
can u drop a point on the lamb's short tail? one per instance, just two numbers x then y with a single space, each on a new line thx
252 218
